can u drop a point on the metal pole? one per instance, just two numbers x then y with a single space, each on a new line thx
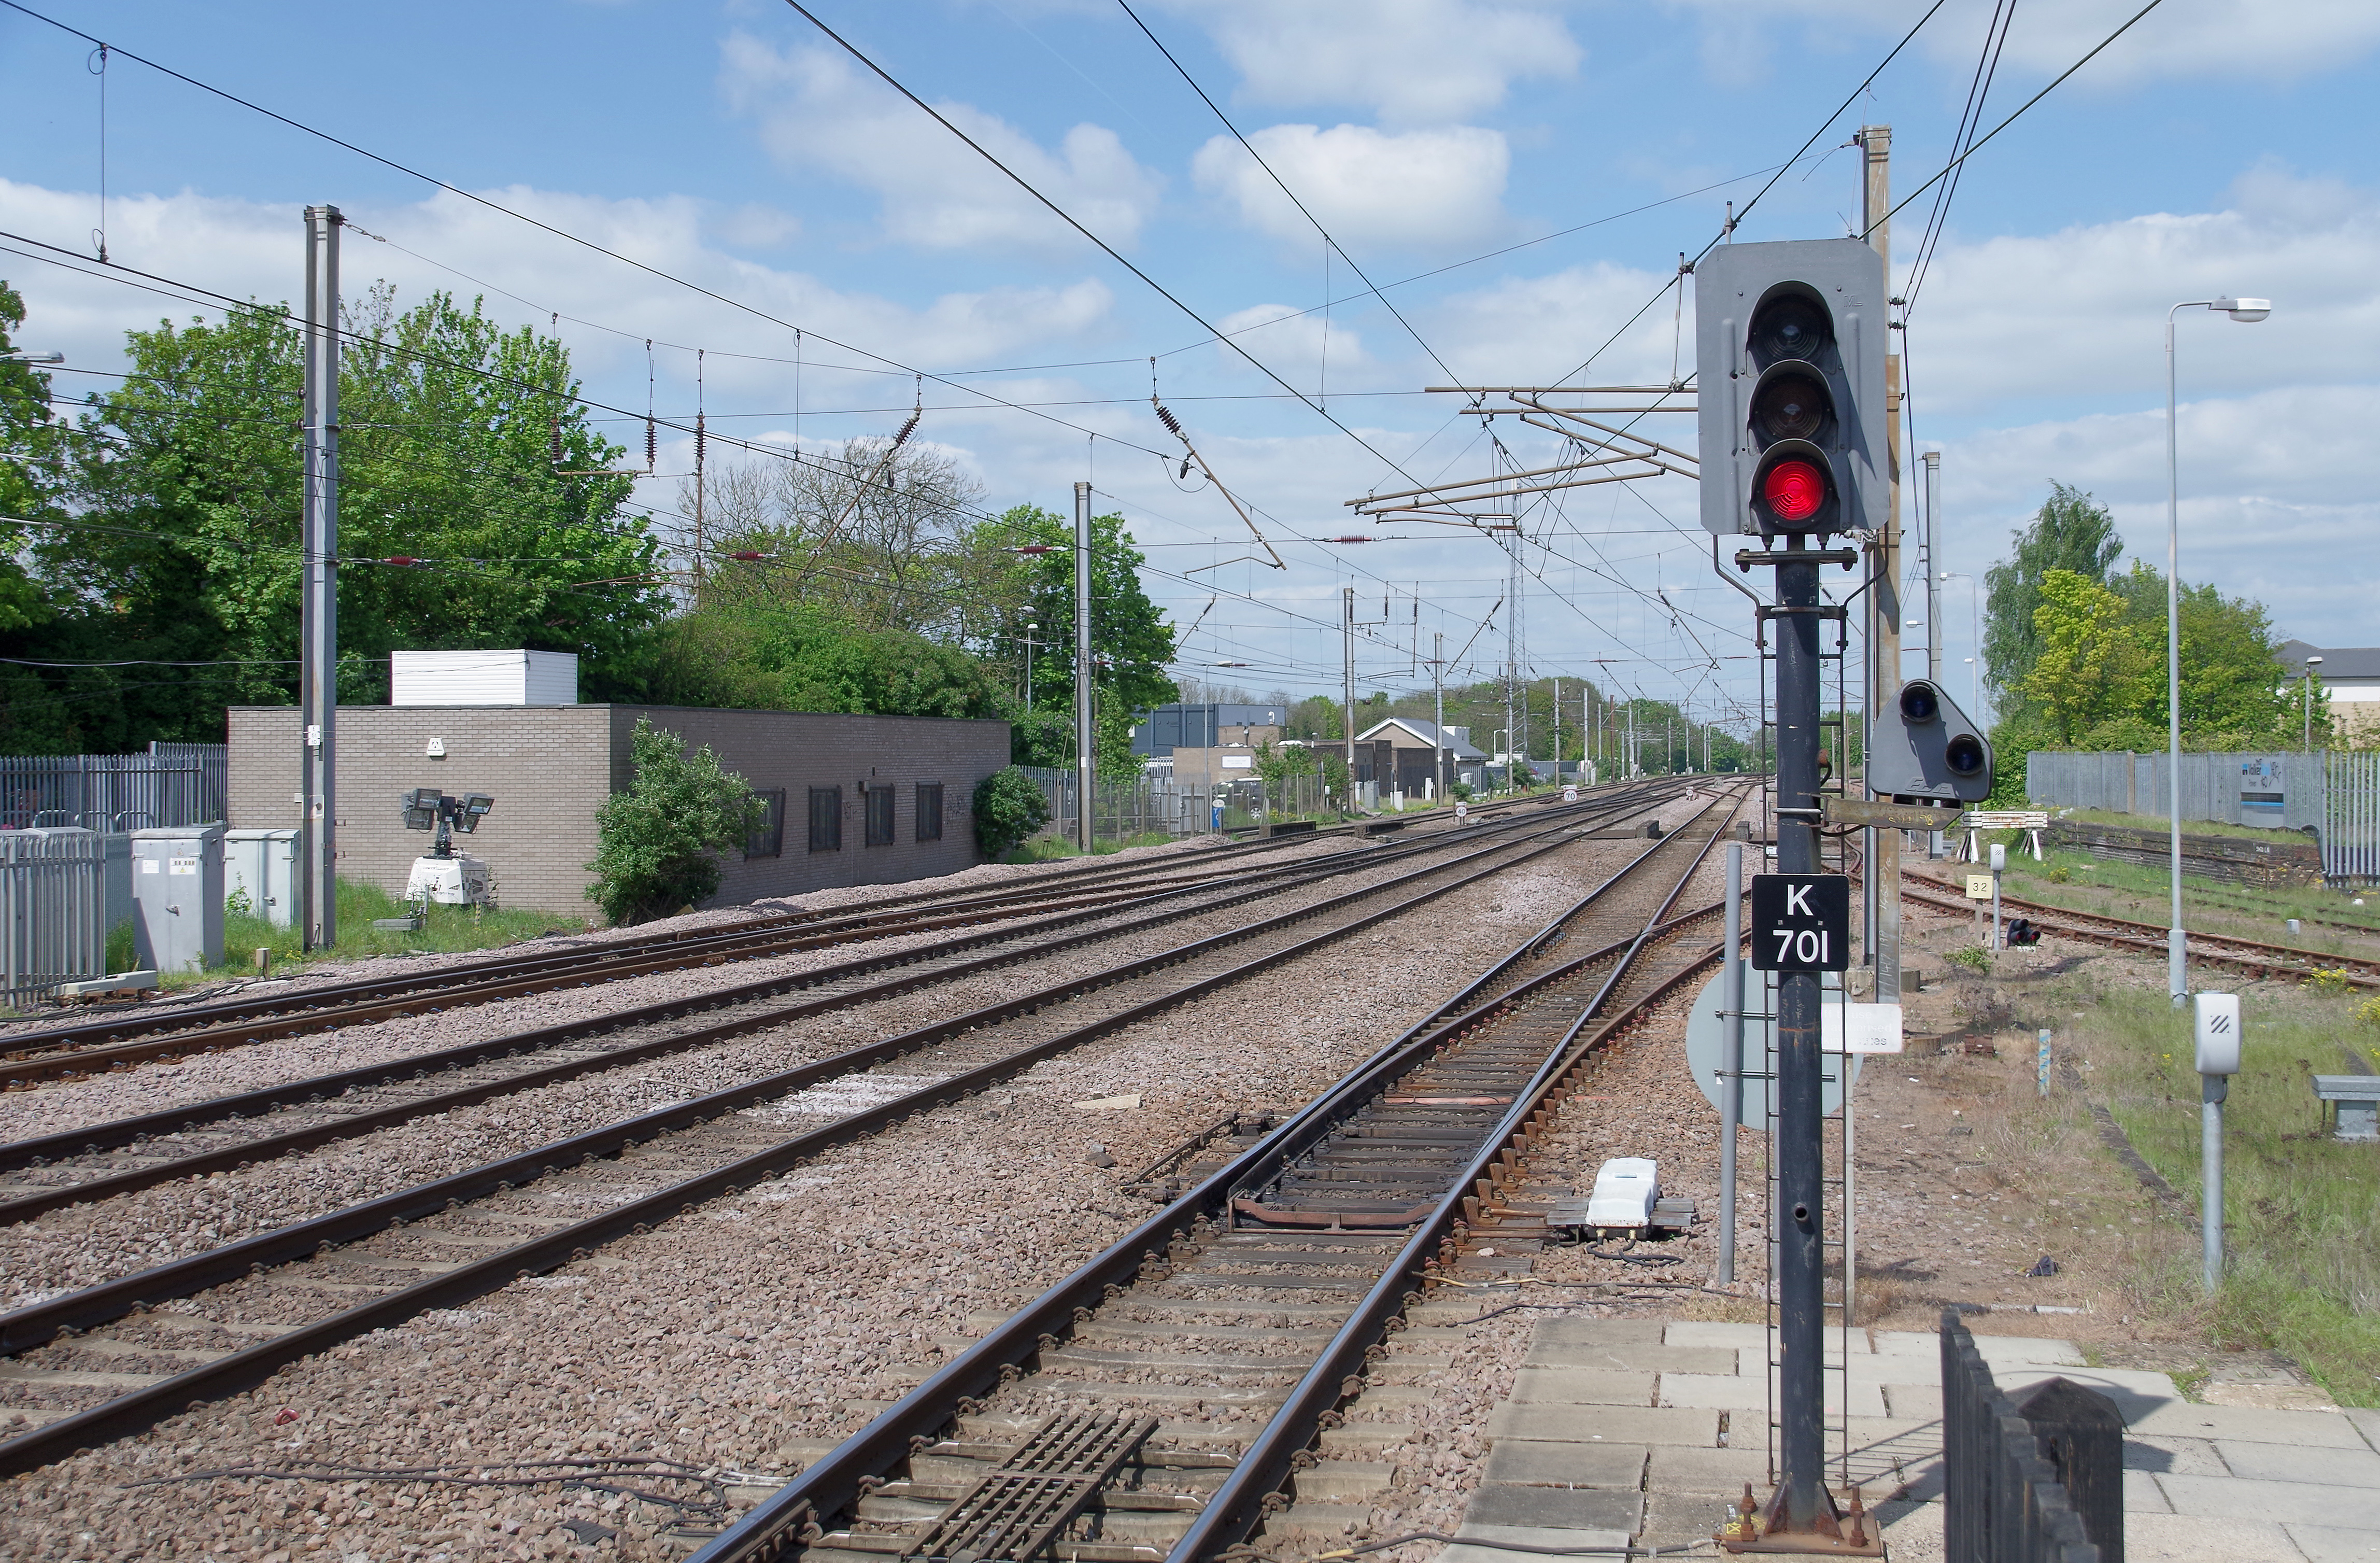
1347 673
1800 1224
2211 1092
2176 979
1558 731
1084 768
1438 703
1731 1083
1932 584
1880 895
317 825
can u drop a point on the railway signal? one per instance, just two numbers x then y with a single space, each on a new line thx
1789 349
1926 750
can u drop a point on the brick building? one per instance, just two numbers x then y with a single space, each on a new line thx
853 799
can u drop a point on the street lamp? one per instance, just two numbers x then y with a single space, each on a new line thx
2311 662
24 357
1029 628
2247 312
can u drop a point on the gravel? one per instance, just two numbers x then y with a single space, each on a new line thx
742 1335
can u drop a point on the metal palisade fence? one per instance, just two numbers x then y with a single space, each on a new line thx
2351 824
53 909
172 785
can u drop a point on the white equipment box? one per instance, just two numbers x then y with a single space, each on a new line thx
458 881
1625 1191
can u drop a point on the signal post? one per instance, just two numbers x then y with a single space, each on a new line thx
1790 348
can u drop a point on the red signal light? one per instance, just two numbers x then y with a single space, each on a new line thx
1793 489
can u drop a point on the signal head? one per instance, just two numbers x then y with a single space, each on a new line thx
1965 756
1790 326
1920 702
1795 492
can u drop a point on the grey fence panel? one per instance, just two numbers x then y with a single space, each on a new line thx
2350 821
172 785
53 908
2280 790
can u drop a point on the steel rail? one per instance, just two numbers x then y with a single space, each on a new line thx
138 1409
141 1129
833 1483
2246 956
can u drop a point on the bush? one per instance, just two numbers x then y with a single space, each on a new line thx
1973 957
1008 808
658 844
1462 791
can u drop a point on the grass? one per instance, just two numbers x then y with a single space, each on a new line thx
446 929
2083 883
2157 824
2303 1275
1052 849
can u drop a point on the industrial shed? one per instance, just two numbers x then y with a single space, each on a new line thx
854 799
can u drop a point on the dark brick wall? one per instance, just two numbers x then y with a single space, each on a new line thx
550 768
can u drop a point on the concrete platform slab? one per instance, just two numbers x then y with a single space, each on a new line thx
1476 1543
1993 1348
2280 1462
1636 1358
2176 1538
2325 1430
2328 1544
1599 1332
1707 1473
1682 1519
2366 1422
2134 1394
1609 1424
1583 1387
1521 1463
1567 1508
2214 1497
1703 1332
1731 1392
2183 1456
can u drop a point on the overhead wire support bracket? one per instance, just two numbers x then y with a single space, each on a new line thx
1165 416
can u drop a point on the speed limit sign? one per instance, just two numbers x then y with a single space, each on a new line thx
1569 794
1800 922
1461 812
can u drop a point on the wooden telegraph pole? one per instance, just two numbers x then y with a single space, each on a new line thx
1882 846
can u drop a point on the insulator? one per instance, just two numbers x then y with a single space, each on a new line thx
699 443
652 443
906 430
557 442
1165 416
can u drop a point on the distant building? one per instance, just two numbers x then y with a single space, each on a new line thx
1208 725
851 800
1410 743
2350 677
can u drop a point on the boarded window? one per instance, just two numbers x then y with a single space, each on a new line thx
879 816
768 838
930 811
826 819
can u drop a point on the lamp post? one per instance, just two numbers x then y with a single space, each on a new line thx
1029 642
1974 637
2247 312
2311 664
33 358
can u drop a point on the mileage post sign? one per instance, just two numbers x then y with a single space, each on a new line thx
1800 922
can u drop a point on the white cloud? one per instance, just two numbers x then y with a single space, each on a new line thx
2080 312
1531 330
815 111
2273 489
245 249
1299 346
1411 61
1419 189
2180 38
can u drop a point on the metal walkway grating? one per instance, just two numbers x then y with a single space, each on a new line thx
1023 1505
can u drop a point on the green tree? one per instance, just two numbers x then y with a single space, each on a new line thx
2235 691
765 654
186 477
33 452
2089 665
658 844
2073 532
1131 643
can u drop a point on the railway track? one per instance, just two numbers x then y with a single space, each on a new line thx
134 1036
1155 1402
2246 956
123 1155
104 1362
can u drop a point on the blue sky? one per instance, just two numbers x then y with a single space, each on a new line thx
2219 147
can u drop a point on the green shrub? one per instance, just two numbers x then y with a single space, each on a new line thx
1008 808
1973 956
658 844
1462 791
